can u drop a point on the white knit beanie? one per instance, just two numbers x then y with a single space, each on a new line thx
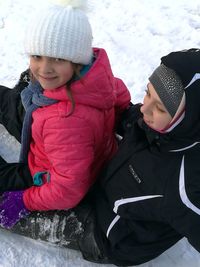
61 31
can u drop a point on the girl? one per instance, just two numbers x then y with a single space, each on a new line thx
148 196
72 104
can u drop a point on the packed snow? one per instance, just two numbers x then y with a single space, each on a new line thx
135 35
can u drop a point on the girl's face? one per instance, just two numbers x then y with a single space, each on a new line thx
154 112
51 72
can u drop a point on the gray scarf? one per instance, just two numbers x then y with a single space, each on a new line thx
32 98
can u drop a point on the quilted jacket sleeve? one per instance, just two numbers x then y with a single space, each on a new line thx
123 98
123 95
69 145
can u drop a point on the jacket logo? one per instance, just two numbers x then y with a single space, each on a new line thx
134 174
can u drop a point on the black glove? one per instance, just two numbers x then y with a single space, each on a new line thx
129 116
23 81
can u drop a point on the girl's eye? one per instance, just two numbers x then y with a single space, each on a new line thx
35 56
59 59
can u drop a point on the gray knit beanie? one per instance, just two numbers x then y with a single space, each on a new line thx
61 31
169 87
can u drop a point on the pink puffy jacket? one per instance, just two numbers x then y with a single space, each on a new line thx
73 149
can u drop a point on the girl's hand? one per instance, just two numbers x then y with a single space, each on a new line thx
12 208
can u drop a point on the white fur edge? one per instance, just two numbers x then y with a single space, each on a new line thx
81 4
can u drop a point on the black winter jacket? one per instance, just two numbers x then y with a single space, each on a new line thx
150 191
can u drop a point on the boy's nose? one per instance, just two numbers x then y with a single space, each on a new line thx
146 108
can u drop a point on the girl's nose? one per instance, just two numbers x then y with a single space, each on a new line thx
46 66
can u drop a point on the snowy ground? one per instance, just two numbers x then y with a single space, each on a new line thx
135 34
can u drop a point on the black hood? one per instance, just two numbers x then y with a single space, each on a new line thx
189 128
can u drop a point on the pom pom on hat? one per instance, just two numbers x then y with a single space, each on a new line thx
61 31
82 4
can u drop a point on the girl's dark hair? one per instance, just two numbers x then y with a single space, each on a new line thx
76 67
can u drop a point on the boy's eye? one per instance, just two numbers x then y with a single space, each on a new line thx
147 92
160 109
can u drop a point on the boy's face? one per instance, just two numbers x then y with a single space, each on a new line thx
50 72
154 112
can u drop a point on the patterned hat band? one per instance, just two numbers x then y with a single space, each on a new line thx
169 88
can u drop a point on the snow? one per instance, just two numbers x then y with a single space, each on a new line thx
135 35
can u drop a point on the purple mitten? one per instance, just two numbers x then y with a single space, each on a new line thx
12 208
